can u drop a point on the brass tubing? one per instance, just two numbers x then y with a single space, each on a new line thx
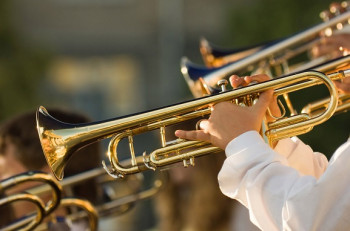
59 140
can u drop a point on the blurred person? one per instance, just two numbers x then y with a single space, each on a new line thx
20 151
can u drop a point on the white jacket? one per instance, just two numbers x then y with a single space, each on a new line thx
280 197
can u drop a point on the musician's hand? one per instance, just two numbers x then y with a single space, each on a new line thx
237 81
343 86
335 46
227 121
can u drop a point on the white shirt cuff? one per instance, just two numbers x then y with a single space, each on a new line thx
243 141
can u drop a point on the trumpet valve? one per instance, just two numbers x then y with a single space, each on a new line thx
222 84
187 162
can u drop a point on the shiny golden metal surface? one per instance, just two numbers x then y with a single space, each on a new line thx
59 140
214 56
29 224
43 210
109 207
317 107
275 59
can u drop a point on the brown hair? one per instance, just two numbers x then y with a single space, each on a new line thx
21 132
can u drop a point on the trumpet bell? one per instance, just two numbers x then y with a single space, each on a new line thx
215 56
57 143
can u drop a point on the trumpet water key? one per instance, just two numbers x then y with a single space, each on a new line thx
60 140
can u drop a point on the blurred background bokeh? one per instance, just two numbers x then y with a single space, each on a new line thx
109 58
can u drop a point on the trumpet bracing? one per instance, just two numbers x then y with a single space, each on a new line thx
59 140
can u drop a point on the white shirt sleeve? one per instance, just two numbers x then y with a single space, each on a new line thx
301 157
279 197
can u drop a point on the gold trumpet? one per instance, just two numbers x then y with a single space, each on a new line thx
319 106
109 207
88 210
86 206
59 140
93 213
275 59
215 56
42 210
27 225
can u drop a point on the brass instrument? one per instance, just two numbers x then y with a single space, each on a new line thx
87 210
336 64
86 206
59 140
215 56
42 209
114 206
109 207
93 213
274 60
316 108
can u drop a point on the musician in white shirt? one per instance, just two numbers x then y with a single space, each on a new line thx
289 188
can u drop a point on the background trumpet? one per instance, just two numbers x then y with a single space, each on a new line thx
275 59
43 210
115 204
215 56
